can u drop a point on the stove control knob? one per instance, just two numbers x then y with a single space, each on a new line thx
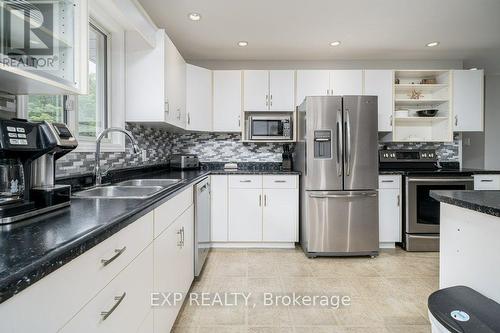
424 155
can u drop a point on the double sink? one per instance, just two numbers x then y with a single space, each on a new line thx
129 189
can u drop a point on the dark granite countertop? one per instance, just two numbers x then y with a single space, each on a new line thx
461 172
34 248
487 202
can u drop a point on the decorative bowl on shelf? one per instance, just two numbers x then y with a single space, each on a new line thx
427 112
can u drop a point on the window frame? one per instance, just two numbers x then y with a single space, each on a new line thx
115 94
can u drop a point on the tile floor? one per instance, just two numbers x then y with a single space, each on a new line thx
388 293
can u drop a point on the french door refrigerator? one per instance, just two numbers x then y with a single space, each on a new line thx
337 154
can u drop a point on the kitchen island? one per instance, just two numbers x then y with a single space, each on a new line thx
469 244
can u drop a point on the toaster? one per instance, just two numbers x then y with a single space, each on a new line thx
184 161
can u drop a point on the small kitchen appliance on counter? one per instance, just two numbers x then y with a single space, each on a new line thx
184 161
422 173
28 151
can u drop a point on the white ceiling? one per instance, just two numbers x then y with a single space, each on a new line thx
302 29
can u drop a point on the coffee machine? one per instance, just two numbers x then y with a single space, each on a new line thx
35 146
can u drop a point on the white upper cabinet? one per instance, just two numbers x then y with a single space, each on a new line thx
198 98
347 82
155 81
268 90
468 100
312 83
227 101
281 90
380 83
256 90
50 58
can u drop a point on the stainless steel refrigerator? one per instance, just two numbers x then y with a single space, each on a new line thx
337 154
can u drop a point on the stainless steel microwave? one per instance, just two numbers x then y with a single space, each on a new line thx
270 127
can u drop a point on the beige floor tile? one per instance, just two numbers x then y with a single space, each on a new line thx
409 329
253 329
263 269
263 284
221 329
313 316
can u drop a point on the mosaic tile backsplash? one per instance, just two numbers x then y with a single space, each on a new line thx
159 144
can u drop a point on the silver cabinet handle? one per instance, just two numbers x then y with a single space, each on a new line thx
456 120
348 143
118 252
167 107
486 180
280 181
179 232
399 200
118 299
245 181
260 200
265 200
267 100
339 142
189 119
271 100
390 120
182 236
325 196
388 181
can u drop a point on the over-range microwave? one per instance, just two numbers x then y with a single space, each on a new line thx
270 128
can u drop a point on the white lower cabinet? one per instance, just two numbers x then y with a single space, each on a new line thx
245 214
261 209
122 305
390 211
173 266
279 213
219 211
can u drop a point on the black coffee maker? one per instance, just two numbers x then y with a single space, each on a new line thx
36 146
287 156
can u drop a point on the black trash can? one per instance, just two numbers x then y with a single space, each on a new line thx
461 309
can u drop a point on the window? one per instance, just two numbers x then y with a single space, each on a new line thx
93 108
50 108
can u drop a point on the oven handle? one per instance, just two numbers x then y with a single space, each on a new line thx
441 180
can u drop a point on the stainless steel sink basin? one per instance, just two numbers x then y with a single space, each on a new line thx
120 192
150 182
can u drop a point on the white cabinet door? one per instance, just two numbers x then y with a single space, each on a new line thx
245 214
227 101
126 299
175 84
312 83
347 82
219 209
198 98
281 90
171 266
280 215
256 90
186 270
487 182
468 103
380 83
389 215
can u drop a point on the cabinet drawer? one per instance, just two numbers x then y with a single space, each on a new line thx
279 181
70 287
389 181
166 214
244 181
486 182
123 305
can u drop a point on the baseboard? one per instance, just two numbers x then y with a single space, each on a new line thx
387 245
254 245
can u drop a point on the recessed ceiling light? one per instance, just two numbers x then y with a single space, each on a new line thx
242 43
432 44
473 69
335 43
194 16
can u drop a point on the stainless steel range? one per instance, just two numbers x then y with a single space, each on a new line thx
422 174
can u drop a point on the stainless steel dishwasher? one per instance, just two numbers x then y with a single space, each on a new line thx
201 224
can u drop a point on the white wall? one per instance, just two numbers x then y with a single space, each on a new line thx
333 64
492 122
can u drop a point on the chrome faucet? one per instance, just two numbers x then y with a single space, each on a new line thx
97 169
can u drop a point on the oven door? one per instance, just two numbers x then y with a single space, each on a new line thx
263 129
422 211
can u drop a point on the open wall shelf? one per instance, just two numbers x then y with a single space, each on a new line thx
433 90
